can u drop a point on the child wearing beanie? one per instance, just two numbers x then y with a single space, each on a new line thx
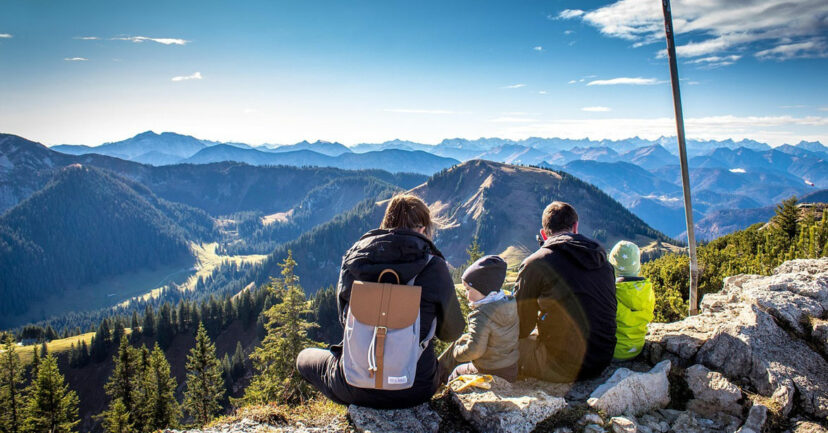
491 345
636 300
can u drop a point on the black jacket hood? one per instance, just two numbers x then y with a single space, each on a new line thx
402 250
586 252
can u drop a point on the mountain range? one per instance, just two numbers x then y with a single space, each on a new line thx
642 174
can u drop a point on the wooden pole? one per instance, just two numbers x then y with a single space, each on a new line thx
685 176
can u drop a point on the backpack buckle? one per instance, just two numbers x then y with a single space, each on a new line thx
382 330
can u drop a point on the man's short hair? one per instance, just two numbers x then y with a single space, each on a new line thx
559 217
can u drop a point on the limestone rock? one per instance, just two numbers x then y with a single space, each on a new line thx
622 424
713 392
512 408
419 419
688 422
819 334
654 422
756 420
591 418
627 392
808 427
594 428
754 331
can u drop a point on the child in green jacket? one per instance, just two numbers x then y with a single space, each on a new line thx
636 300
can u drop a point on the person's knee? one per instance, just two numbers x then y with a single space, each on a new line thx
304 362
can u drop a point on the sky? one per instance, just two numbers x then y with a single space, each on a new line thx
278 72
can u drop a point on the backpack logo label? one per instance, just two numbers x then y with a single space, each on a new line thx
397 380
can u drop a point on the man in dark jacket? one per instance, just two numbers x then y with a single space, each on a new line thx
567 290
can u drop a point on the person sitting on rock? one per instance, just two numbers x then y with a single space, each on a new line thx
565 289
636 300
491 345
403 245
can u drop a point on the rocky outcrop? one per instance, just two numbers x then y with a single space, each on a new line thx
757 333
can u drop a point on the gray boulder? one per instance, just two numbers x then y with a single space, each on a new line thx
620 424
512 408
419 419
628 392
755 421
712 392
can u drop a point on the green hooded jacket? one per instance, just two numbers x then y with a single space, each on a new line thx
636 303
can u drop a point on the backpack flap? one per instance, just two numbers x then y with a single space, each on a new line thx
371 304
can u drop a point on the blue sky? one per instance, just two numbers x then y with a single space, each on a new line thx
86 72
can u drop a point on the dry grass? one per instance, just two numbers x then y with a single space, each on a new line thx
207 260
318 412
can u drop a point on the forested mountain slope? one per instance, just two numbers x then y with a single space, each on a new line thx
85 225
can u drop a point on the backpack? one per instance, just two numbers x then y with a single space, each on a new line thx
382 346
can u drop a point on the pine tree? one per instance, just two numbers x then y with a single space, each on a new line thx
474 251
205 386
35 363
11 388
148 325
122 386
787 218
237 362
165 330
116 419
162 410
52 407
287 334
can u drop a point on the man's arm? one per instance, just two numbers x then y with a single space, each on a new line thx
527 289
343 291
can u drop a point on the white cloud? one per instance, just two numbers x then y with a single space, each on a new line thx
5 36
515 86
75 59
569 32
542 92
194 76
163 41
87 38
567 14
512 119
738 170
715 27
597 109
572 82
418 111
813 48
636 81
716 61
537 48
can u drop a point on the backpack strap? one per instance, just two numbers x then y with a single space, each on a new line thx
431 332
